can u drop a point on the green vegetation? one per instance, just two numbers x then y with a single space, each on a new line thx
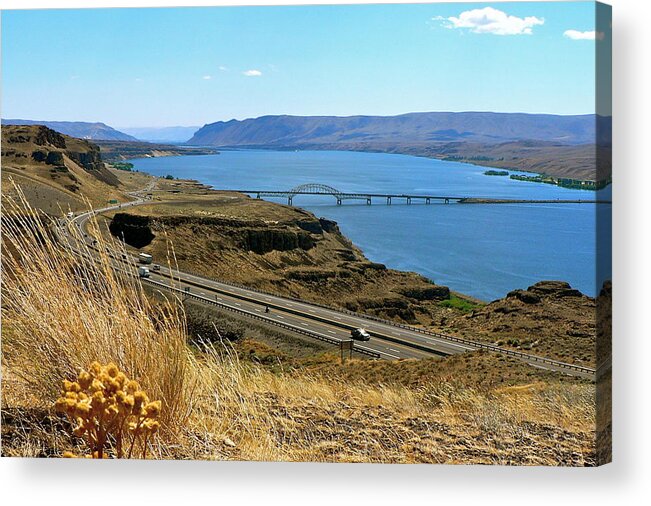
458 303
580 184
576 184
538 178
123 166
496 173
170 177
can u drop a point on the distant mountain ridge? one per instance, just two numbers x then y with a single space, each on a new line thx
78 129
406 129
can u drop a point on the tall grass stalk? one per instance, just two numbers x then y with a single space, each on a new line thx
65 310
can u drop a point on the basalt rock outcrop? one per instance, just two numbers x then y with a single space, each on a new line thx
32 146
289 252
425 292
253 236
134 230
549 318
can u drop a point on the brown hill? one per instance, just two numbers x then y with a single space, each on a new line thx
56 172
549 319
278 249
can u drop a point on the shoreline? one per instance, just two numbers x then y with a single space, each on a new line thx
579 184
467 297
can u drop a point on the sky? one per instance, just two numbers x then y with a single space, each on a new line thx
191 66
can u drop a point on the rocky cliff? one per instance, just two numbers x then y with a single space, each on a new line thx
55 171
278 249
27 146
550 318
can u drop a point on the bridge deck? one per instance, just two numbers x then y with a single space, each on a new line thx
409 197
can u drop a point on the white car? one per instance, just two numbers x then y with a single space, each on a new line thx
360 334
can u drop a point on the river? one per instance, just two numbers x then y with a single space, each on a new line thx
480 250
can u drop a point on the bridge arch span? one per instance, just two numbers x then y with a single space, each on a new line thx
315 188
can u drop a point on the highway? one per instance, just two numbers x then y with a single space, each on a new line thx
388 340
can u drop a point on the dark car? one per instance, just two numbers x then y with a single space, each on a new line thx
360 335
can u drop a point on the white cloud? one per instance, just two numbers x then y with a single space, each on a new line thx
252 73
577 35
490 20
206 78
223 68
138 79
74 78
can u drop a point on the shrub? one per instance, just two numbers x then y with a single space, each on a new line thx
64 311
458 303
110 410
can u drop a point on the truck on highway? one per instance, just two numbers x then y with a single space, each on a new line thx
360 334
143 272
145 258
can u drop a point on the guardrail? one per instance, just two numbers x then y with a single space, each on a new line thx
286 326
469 343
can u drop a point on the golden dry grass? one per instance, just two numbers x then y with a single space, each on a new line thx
62 311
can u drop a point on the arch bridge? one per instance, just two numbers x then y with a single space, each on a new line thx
323 189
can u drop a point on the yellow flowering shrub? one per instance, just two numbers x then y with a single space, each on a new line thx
111 413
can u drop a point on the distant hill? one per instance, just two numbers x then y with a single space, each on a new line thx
56 172
411 129
576 147
79 129
118 151
174 134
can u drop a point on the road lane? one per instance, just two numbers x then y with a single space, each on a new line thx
387 339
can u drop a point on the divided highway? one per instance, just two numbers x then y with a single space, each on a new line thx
389 341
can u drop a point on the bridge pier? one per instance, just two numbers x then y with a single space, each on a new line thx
388 201
258 196
289 201
368 201
408 200
447 201
338 201
427 200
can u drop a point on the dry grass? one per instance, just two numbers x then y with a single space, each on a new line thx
61 312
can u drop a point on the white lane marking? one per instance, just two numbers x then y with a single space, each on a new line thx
290 304
387 354
237 303
281 317
393 349
447 343
332 331
304 324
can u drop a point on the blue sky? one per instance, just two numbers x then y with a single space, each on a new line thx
191 66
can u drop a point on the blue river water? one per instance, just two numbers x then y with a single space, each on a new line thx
480 250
